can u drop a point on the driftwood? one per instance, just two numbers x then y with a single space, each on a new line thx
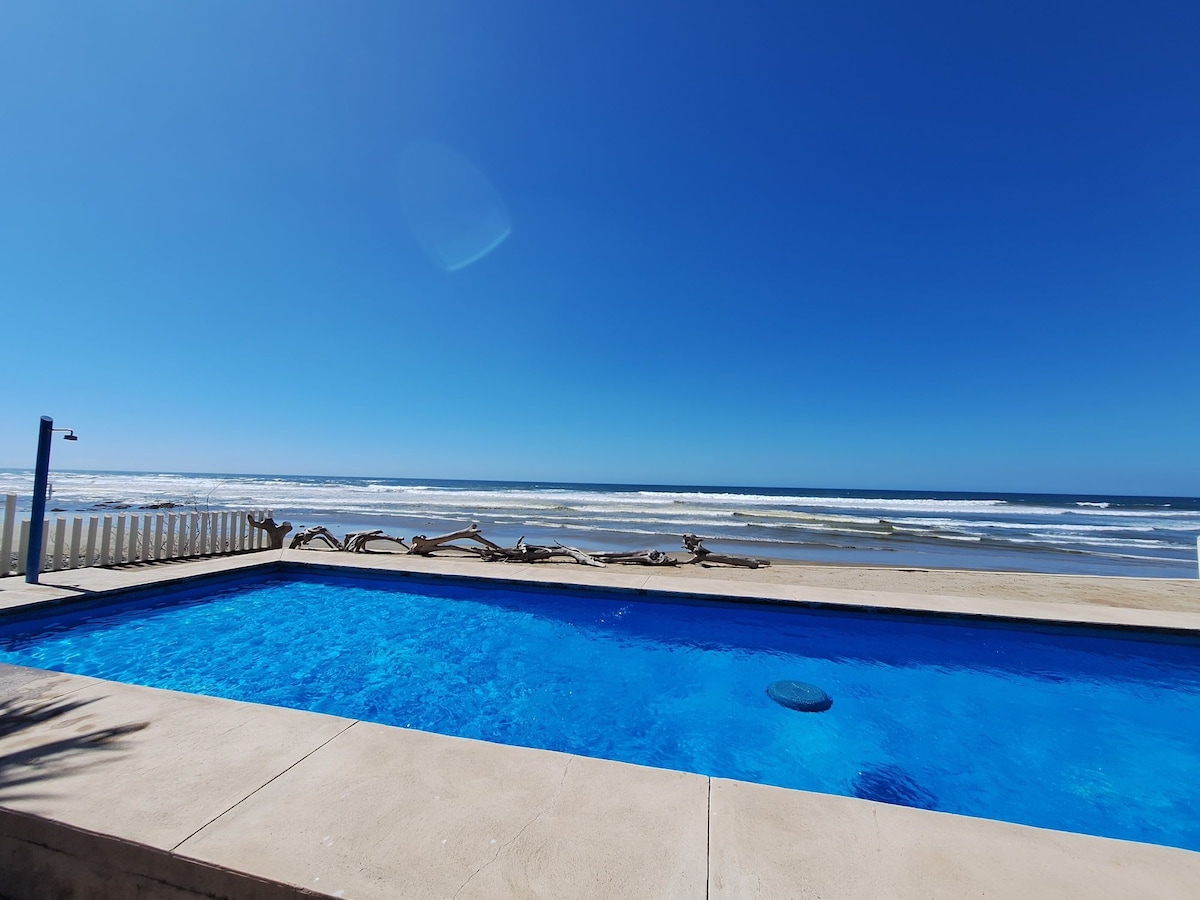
637 558
423 546
357 541
493 552
578 555
702 555
420 545
529 553
301 539
275 533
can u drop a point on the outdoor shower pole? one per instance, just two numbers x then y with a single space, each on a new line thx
33 560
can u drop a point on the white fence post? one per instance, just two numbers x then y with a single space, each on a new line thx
194 534
158 536
119 542
93 527
6 536
106 541
133 538
23 547
76 539
60 544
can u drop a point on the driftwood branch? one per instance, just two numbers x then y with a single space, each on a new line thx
275 533
579 556
423 546
301 539
704 556
528 553
358 541
637 558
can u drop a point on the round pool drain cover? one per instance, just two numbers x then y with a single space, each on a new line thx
801 696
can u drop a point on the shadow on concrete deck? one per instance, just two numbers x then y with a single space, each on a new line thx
36 750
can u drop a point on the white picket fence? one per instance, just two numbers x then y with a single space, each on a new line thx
113 540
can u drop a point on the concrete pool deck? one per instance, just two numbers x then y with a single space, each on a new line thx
114 790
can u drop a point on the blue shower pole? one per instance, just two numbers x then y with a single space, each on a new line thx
33 560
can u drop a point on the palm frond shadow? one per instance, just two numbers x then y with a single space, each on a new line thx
33 752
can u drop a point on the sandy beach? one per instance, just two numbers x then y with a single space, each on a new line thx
1167 594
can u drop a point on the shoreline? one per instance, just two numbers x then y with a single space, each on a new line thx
1062 534
916 556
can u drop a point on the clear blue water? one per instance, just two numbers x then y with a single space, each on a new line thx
1094 732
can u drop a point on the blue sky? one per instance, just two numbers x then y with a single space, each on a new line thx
925 245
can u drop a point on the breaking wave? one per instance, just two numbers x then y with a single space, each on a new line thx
1038 532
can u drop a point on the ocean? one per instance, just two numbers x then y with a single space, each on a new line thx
1053 533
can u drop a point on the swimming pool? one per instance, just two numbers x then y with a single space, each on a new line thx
1083 730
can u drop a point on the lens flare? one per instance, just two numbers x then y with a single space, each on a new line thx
451 208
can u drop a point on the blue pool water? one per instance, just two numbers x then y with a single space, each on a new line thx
1088 731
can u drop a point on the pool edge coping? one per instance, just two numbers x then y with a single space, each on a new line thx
645 580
